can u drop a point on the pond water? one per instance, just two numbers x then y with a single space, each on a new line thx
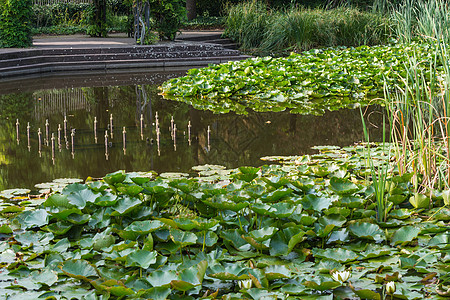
133 102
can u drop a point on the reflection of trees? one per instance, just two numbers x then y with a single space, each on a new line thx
235 140
15 106
243 140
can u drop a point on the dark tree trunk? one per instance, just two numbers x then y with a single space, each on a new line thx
191 9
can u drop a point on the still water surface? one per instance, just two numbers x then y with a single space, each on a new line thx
133 102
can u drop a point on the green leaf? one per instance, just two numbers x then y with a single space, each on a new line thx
157 293
233 236
162 278
58 200
125 205
141 258
181 285
130 190
263 234
419 201
277 272
5 229
59 228
29 238
144 227
229 272
182 238
446 197
61 246
367 294
338 254
210 239
79 269
441 241
34 218
114 178
323 286
279 245
47 277
313 202
106 200
282 210
405 234
343 186
247 174
367 231
80 198
204 224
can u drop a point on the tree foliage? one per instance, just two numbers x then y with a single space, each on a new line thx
15 25
162 16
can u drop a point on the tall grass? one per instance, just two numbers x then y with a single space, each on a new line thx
247 23
416 19
256 27
420 116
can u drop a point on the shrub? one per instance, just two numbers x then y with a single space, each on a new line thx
15 26
168 15
59 14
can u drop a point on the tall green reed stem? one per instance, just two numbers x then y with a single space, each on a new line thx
379 172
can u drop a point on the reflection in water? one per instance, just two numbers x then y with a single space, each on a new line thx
144 132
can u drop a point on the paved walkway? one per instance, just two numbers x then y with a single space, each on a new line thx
113 40
85 41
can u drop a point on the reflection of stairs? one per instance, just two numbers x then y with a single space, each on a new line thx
62 60
212 37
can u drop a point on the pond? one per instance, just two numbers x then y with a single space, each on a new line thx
130 102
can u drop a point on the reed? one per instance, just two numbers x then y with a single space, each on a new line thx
420 123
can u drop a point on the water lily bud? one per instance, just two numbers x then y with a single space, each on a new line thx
340 276
245 284
390 287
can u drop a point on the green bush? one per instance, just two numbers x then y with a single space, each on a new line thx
59 14
15 25
168 15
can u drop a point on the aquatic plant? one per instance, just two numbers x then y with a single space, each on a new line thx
295 229
307 83
419 120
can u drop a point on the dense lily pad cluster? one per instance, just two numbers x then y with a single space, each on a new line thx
302 229
307 83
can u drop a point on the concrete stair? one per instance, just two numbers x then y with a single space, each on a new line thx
210 38
182 54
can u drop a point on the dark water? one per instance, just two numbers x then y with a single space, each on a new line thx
235 140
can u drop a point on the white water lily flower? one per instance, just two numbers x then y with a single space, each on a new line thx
245 284
340 276
390 287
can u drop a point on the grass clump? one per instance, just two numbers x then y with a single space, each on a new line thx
262 30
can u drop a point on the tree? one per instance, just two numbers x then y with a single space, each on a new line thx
97 19
191 9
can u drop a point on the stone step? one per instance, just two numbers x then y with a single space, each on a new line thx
64 67
29 60
200 37
169 48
